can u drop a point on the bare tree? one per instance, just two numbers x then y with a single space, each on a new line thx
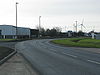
58 29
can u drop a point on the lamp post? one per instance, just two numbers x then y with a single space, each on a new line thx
39 23
76 26
16 20
39 26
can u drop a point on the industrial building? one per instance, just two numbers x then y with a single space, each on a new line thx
9 32
23 32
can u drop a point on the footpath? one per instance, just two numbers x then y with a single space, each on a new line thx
16 65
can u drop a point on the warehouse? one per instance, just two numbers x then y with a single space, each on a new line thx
23 32
9 32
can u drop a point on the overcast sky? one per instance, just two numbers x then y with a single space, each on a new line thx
55 13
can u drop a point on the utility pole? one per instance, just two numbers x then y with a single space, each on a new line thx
39 26
76 26
81 28
16 20
39 23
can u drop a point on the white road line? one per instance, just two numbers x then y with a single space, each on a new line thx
70 55
94 62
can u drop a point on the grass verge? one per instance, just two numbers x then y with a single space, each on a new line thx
4 51
13 40
79 42
6 40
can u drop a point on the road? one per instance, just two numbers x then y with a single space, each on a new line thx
51 59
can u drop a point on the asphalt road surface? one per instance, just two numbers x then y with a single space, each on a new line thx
51 59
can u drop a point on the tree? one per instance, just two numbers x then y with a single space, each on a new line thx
58 29
53 32
80 33
42 32
47 32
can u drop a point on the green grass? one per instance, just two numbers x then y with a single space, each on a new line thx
7 39
79 42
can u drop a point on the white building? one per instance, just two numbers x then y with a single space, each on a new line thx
9 31
23 32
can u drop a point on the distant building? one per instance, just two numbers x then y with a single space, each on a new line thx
70 33
9 32
34 33
98 36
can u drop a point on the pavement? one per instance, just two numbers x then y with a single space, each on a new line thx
51 59
16 65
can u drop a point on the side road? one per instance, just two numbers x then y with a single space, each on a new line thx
16 65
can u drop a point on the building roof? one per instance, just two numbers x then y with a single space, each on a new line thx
14 26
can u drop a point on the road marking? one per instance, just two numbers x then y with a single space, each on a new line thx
70 55
94 62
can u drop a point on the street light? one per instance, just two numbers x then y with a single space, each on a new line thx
39 26
39 23
76 26
16 20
